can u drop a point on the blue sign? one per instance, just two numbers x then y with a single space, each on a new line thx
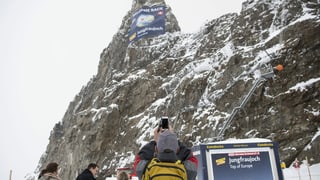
238 160
147 21
242 165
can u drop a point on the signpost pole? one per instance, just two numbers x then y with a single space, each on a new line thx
10 175
308 167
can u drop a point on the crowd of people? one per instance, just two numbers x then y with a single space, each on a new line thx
51 172
165 148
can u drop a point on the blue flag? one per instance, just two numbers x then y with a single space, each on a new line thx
147 21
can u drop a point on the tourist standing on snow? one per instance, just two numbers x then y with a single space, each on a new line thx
158 149
50 172
89 173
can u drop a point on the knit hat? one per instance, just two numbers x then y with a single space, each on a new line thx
167 140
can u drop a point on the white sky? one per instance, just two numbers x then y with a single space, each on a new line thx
49 49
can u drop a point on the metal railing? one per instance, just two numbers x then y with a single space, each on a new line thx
269 74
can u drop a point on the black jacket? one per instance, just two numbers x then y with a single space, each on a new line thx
86 175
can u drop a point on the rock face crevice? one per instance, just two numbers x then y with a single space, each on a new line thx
197 80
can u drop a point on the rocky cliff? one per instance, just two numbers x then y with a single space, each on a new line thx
197 80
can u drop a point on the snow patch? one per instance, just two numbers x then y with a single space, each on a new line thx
302 86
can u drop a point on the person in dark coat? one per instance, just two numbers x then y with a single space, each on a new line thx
89 173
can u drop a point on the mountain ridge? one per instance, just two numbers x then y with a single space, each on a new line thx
197 80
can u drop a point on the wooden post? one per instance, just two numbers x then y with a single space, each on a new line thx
308 167
10 175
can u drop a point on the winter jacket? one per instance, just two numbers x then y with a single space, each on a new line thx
49 176
147 152
86 175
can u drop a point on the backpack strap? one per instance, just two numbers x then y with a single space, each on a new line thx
179 162
154 160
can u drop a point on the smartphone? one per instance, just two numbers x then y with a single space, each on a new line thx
164 123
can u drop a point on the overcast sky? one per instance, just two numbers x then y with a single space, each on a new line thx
49 49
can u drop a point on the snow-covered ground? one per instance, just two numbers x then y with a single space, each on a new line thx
289 173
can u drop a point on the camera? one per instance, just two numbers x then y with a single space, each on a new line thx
164 123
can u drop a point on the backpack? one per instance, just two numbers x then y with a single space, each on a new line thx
157 170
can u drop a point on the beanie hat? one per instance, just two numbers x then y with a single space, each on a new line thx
167 140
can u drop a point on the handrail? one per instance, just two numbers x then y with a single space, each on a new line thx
227 123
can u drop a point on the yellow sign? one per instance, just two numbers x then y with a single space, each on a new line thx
220 161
